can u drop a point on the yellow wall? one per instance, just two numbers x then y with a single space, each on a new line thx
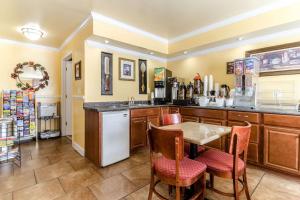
122 90
12 54
215 64
76 47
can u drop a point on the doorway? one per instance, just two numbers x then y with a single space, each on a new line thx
66 98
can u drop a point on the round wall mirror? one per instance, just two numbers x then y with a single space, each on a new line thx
30 76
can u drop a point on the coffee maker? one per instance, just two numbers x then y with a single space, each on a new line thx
162 85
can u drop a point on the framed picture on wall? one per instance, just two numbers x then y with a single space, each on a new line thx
77 70
230 68
142 76
278 60
106 73
126 69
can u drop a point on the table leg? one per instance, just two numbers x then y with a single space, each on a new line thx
193 151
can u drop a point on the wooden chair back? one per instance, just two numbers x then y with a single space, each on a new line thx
170 119
167 142
239 142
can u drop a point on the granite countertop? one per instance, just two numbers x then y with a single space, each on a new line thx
119 106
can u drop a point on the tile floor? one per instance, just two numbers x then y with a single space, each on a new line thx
53 170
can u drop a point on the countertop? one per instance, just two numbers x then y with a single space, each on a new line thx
107 107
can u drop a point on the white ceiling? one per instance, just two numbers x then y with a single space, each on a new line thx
165 18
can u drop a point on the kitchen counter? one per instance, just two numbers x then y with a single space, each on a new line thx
118 106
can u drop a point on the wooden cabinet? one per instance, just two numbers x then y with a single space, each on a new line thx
140 118
138 132
281 148
93 131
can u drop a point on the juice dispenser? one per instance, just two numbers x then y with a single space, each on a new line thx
162 85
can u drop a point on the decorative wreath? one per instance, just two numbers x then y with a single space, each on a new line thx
26 86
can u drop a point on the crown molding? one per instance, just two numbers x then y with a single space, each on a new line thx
232 20
100 17
111 48
230 45
75 32
27 44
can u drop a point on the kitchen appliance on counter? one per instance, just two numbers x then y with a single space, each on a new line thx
115 137
162 85
246 79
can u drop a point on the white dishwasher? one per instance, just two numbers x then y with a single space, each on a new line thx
115 137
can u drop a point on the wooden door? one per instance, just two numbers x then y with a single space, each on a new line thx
138 132
281 148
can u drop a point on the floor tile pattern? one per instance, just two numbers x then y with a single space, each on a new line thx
51 169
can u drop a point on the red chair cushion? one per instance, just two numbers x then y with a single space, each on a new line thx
201 149
219 161
187 168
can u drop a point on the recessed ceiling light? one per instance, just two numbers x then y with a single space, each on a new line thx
106 41
151 53
32 31
240 38
185 52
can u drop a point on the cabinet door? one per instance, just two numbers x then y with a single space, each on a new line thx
281 148
185 118
138 132
154 120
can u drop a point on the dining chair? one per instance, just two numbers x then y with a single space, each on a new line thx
230 165
169 166
171 119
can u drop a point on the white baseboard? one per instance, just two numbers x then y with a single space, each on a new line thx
78 148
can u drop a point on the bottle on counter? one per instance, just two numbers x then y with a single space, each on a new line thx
182 92
189 91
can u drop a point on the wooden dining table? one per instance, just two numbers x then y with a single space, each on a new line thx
199 134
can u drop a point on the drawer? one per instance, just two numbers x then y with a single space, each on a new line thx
255 130
282 120
189 119
244 116
174 110
144 112
208 113
213 121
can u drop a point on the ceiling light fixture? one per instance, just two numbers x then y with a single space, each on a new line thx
240 38
106 41
151 53
185 52
32 31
